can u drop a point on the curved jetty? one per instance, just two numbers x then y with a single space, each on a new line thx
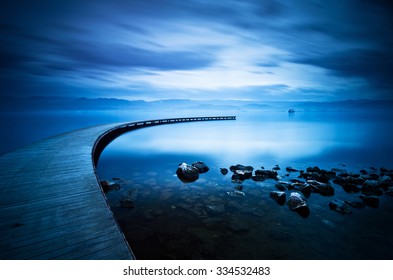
51 203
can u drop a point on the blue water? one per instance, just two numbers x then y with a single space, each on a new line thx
169 216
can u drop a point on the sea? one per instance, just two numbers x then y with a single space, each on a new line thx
211 218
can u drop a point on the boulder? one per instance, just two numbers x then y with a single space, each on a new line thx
371 187
201 166
297 203
187 173
370 200
340 206
279 197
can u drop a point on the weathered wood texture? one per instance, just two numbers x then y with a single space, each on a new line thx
51 202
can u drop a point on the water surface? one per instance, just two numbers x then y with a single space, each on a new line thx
173 220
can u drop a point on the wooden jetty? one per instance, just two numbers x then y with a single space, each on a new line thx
51 203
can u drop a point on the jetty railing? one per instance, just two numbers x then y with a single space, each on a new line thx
115 132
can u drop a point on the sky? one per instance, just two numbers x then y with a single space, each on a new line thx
272 50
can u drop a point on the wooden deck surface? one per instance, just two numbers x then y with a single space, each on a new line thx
51 202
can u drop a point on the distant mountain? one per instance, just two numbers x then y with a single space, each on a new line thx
9 104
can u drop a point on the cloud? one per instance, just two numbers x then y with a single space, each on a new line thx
375 66
199 48
119 56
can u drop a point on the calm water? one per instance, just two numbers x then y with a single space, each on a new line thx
199 220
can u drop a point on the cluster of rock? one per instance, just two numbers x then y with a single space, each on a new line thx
190 173
371 185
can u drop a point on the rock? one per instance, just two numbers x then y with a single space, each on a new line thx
296 201
298 204
320 177
276 167
363 172
371 176
324 189
356 204
128 202
239 188
389 191
279 197
290 169
284 184
371 187
313 169
241 175
224 171
202 167
385 181
281 187
237 225
340 206
108 186
187 173
267 174
233 168
370 200
303 187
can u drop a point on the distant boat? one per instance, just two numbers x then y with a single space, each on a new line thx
291 110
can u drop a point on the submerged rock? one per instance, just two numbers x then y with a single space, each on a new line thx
108 186
340 206
128 201
237 225
356 204
279 197
201 166
187 173
224 171
291 169
370 200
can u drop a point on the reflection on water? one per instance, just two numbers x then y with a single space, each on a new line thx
167 216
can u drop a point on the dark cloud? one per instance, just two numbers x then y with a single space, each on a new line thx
115 55
375 66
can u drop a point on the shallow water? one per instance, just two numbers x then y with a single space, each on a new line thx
199 220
